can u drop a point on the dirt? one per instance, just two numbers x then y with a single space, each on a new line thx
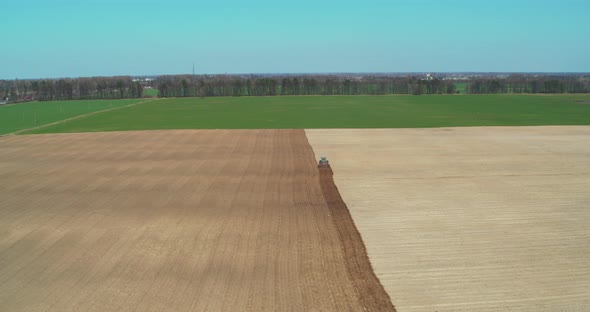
472 219
195 220
369 289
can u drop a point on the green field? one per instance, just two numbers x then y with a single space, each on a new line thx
151 92
335 112
32 114
461 87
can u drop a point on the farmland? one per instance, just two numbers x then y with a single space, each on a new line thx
461 87
230 213
151 92
28 115
337 112
470 219
176 220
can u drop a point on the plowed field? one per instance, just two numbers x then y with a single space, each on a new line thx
198 220
470 219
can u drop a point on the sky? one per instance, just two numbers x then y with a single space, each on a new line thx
64 38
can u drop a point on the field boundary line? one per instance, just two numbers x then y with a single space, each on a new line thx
369 289
75 117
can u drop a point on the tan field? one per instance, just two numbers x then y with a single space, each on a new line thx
213 220
470 219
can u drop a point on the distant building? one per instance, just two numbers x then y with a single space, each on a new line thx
144 81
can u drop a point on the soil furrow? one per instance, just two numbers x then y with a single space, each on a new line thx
370 291
184 220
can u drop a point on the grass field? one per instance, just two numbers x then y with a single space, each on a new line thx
151 92
27 115
337 112
461 87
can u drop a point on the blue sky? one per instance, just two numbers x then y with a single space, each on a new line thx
43 38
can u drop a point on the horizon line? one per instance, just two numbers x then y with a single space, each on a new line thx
316 73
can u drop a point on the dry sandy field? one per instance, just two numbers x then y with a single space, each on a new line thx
470 219
195 220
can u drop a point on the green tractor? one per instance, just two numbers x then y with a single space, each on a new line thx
324 163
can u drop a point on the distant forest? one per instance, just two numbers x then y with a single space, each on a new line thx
277 85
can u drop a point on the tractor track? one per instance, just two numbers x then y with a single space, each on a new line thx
370 291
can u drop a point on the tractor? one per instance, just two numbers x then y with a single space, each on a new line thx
324 163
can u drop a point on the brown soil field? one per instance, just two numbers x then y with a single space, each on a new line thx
195 220
470 219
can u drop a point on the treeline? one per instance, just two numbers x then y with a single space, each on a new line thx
529 84
277 85
226 85
70 89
